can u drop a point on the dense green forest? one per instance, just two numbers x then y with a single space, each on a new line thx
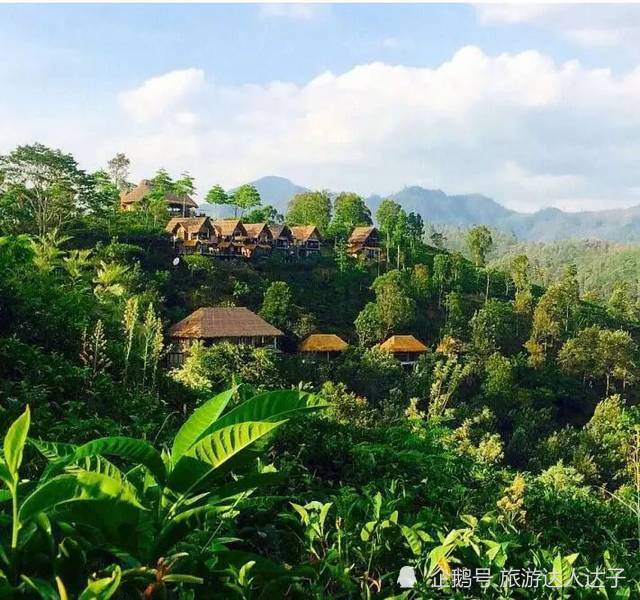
504 464
602 266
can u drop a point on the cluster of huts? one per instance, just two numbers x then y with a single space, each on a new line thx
238 325
231 238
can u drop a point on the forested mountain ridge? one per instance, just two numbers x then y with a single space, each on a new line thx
549 224
438 207
510 444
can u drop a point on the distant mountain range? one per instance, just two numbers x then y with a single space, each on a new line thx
437 207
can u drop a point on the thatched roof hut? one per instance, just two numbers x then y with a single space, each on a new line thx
236 324
403 344
405 348
323 342
176 203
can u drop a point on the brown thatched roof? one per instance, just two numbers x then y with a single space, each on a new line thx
302 233
255 230
403 343
189 223
323 342
360 235
146 187
278 231
230 227
222 322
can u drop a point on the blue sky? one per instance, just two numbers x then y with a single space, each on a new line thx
534 106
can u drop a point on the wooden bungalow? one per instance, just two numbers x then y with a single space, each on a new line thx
364 243
405 348
281 236
259 239
182 205
306 239
322 345
231 237
192 235
211 325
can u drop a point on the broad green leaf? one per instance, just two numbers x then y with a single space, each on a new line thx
14 441
52 450
5 475
182 525
367 530
324 511
130 449
43 588
377 505
269 406
61 589
129 530
76 486
198 423
302 511
101 589
412 539
247 483
219 446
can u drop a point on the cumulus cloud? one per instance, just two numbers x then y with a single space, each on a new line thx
522 128
158 95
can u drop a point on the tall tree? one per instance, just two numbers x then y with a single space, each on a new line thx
184 187
599 353
277 305
118 170
387 216
553 317
246 197
396 307
520 274
218 197
349 211
415 229
479 241
400 234
622 304
47 184
263 214
310 208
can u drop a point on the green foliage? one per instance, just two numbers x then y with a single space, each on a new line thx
48 188
217 196
349 211
245 198
479 240
277 305
143 512
310 208
484 454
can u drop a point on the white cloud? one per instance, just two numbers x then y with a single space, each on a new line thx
158 95
587 25
293 12
521 128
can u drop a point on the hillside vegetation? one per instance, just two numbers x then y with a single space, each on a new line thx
504 464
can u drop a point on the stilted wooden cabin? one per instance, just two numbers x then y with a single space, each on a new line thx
364 243
231 237
281 236
212 325
322 345
193 235
306 239
259 239
405 348
182 206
